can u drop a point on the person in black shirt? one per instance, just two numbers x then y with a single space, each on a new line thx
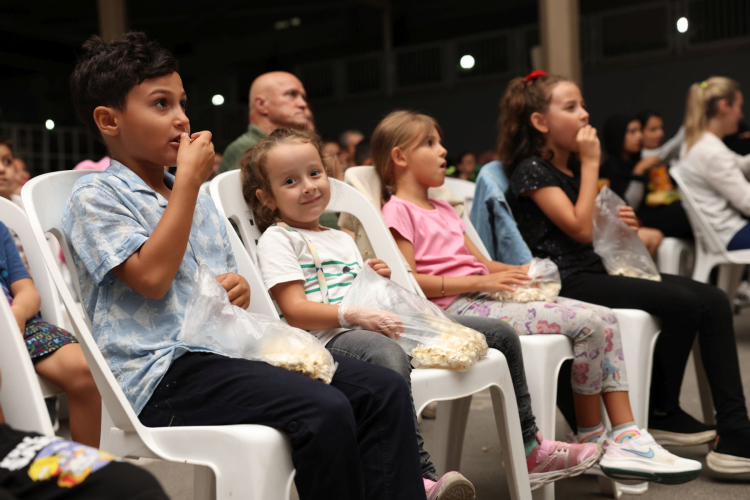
553 157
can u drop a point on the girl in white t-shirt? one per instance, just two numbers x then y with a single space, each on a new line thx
309 268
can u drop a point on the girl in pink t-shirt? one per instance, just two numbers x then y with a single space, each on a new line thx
452 272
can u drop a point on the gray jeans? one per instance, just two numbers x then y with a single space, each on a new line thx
376 348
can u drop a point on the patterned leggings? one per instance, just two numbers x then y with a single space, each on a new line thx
598 365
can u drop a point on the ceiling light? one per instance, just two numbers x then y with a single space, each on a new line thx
49 124
467 62
217 100
682 24
295 21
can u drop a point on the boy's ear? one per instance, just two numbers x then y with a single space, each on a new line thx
106 120
539 122
398 157
268 201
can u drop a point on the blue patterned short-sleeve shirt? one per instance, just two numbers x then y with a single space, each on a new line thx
109 215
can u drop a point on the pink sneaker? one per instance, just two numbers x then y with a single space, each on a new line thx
452 486
553 460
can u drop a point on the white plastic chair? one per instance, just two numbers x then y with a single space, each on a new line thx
20 395
15 219
639 333
248 461
453 390
710 252
463 189
672 255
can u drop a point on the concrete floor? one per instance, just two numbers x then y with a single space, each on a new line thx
481 454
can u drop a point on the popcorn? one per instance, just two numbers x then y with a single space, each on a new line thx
315 365
543 292
632 273
457 347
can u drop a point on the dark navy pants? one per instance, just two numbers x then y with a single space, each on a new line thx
353 439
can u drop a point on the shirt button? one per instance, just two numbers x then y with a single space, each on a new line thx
292 426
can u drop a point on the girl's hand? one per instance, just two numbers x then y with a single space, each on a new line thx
237 289
589 148
627 215
380 267
646 164
503 281
20 319
375 320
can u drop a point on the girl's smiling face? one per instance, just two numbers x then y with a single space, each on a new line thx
299 185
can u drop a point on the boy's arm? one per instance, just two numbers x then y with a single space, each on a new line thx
152 268
26 301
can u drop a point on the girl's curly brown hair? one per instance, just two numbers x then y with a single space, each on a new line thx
255 173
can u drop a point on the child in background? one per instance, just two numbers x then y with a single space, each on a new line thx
55 352
553 156
285 179
453 273
139 234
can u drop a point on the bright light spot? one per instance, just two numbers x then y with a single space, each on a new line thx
49 124
682 24
217 100
295 21
467 62
281 25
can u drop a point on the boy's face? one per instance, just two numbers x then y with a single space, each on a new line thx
149 127
7 171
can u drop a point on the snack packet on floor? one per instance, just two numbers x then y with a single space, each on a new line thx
620 248
432 339
544 286
211 321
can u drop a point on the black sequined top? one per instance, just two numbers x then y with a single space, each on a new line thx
544 238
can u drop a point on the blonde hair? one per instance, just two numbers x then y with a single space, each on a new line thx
254 165
703 104
400 129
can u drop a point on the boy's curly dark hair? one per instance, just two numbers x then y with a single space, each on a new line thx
106 72
254 165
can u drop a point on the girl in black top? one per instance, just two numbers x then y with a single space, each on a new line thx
553 156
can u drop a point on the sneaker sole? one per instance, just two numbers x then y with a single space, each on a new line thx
540 479
727 464
665 438
654 477
456 488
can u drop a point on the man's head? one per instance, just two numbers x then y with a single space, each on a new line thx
349 140
129 94
278 100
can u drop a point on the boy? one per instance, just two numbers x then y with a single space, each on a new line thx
139 234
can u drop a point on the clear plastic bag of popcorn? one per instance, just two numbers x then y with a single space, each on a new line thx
212 322
544 286
620 248
431 338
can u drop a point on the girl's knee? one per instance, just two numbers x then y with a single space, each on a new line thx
390 355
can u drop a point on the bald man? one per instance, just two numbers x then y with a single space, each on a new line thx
277 100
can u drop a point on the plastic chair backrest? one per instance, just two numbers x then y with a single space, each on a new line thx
704 233
44 198
15 219
463 189
20 395
226 191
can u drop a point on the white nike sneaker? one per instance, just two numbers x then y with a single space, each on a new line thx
641 458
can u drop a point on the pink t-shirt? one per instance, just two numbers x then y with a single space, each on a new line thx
438 239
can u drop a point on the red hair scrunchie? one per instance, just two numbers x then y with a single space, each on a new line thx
534 75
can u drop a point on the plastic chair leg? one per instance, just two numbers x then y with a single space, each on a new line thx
506 420
450 429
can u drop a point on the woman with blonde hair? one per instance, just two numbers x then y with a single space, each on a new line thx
716 176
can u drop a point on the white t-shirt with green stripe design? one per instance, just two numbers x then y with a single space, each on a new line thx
284 256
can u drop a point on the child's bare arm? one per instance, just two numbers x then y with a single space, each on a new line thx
302 313
152 268
493 266
26 301
439 286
